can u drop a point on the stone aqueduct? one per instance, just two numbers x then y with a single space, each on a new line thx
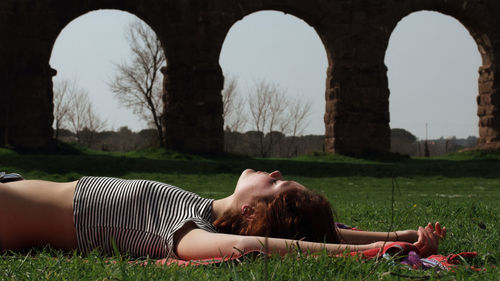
355 34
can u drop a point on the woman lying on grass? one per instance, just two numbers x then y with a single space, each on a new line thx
151 219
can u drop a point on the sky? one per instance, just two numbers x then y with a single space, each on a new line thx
432 67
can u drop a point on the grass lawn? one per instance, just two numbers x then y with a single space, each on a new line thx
462 191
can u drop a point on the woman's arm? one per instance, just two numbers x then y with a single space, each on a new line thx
364 237
194 243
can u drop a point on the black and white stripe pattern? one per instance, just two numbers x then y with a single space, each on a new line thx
140 216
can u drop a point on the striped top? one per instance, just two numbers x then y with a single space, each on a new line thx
139 216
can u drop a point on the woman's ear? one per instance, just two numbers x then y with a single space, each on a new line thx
248 211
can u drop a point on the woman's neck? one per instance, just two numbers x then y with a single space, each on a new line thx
220 206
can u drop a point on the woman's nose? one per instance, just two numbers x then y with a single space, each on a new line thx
276 175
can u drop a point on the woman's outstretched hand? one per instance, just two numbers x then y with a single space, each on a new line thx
428 239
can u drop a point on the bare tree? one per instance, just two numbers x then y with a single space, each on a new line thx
93 126
77 117
62 92
137 84
298 112
267 105
233 113
81 115
275 116
234 106
94 123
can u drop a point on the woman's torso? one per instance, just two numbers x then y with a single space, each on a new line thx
135 217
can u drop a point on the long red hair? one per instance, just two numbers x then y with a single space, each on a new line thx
292 214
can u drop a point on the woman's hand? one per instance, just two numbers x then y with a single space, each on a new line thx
428 239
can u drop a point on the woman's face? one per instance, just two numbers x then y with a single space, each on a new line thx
253 185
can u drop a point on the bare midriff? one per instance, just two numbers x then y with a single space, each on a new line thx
37 213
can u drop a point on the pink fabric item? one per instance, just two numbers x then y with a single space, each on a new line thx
453 259
392 248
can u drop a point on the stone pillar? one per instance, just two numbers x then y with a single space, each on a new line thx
488 102
4 107
4 119
6 27
28 107
193 108
357 109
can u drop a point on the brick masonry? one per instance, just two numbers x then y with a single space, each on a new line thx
355 34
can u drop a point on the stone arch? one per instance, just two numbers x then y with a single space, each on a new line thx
30 92
302 15
477 20
106 29
318 15
433 33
